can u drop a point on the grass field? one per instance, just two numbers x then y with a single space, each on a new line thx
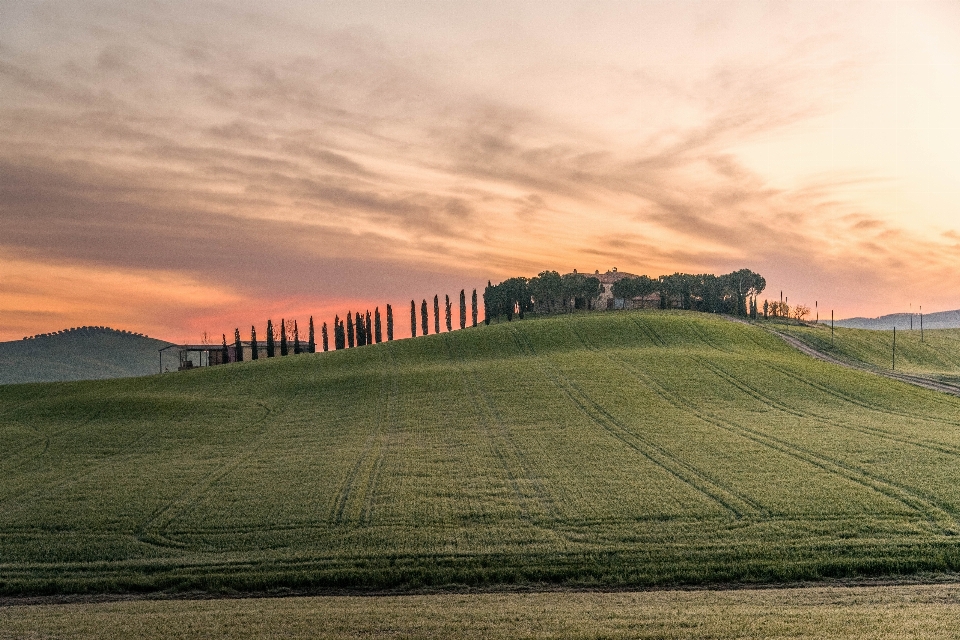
880 613
636 448
936 355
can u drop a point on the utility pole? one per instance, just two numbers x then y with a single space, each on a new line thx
816 305
831 328
921 323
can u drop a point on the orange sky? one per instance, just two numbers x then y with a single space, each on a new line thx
190 167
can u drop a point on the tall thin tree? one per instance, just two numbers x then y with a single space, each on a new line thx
296 338
325 337
254 347
389 322
436 314
413 319
369 325
361 330
350 342
312 343
449 314
338 340
424 318
224 352
463 309
377 333
283 338
271 340
474 305
237 345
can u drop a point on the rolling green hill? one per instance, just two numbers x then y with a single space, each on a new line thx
635 448
83 353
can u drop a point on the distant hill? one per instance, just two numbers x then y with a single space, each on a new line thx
939 320
83 353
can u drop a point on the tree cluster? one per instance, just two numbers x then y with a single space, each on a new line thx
548 292
734 293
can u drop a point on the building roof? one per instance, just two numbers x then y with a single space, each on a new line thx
613 276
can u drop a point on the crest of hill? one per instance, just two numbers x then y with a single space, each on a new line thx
902 321
81 353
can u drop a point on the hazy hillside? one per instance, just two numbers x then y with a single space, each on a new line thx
85 353
634 448
939 320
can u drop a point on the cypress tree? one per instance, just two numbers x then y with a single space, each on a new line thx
436 314
325 337
296 338
389 322
283 337
413 319
253 343
343 335
312 344
238 346
369 326
474 303
424 318
463 309
449 314
338 339
377 333
271 340
361 330
349 330
224 353
486 303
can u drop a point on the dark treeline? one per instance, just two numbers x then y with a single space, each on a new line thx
549 292
360 328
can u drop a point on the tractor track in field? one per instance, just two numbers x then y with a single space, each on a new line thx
504 447
738 505
773 403
385 414
364 466
904 495
153 530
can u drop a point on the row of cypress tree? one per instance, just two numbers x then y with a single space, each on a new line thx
357 330
448 313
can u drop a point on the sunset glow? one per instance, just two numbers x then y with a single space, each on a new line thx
190 167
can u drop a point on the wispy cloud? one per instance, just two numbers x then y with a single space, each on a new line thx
252 151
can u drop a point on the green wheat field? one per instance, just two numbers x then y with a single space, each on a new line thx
616 450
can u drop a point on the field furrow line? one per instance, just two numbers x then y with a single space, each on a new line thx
837 393
936 514
374 441
66 482
647 331
385 412
46 439
153 529
821 419
684 472
503 446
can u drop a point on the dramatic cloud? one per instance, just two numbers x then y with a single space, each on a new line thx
184 167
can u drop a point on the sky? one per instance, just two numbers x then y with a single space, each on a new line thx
176 168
